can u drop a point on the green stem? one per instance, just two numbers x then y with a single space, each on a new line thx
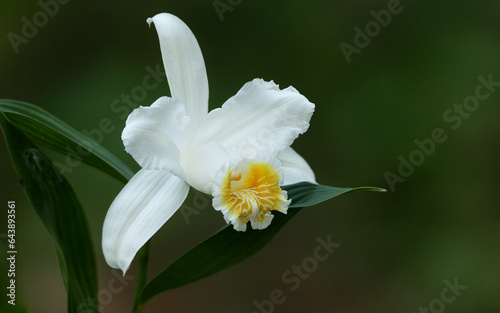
142 272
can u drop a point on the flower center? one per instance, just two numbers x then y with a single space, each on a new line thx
249 192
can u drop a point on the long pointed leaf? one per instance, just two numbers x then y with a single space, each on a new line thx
46 129
306 194
228 247
61 213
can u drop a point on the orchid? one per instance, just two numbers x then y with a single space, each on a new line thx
239 153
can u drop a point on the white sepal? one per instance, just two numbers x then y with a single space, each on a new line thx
148 200
184 64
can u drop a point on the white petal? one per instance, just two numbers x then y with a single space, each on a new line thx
295 168
259 120
184 65
156 135
149 199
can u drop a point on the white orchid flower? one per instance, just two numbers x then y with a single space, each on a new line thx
240 153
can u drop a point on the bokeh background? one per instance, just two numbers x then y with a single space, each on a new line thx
441 223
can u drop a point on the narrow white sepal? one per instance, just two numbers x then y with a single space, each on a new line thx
148 200
184 64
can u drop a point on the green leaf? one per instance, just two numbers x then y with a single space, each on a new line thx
46 129
306 194
228 247
61 213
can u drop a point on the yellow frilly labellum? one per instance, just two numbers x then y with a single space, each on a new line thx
248 192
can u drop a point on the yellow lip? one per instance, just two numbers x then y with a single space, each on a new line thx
250 191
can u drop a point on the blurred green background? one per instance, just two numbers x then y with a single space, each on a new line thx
396 249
